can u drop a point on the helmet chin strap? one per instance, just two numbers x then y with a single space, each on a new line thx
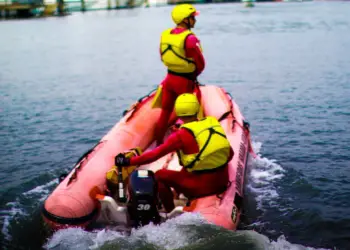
188 25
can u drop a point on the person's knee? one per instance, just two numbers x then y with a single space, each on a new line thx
161 174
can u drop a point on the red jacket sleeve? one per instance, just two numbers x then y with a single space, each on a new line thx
193 50
173 143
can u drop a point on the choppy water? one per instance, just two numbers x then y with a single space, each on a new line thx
64 83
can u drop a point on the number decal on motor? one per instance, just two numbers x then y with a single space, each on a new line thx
143 207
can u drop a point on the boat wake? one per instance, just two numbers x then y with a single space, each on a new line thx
188 231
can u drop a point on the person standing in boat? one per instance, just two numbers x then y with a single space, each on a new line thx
203 151
181 53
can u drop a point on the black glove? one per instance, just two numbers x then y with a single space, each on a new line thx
121 160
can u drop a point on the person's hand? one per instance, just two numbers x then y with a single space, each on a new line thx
121 160
175 127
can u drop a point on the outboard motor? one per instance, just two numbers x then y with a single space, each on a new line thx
143 198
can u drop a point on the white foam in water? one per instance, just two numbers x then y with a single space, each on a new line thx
168 235
263 242
14 208
283 244
263 173
6 216
42 191
77 238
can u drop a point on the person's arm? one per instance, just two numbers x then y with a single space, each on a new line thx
173 143
193 51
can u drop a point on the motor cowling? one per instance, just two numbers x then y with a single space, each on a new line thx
143 198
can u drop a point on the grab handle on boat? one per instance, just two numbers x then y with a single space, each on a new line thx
121 196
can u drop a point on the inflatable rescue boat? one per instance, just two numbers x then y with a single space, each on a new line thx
97 191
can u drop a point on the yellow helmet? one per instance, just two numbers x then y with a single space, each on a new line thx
182 11
186 105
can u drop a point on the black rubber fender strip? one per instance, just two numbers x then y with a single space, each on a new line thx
69 221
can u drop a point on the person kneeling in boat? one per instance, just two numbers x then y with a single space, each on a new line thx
203 151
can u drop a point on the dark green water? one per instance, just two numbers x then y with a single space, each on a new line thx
64 82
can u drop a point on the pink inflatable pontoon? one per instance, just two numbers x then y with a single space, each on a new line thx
82 196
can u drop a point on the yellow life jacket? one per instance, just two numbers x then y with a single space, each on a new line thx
214 148
173 52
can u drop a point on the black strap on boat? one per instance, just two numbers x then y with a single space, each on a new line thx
198 83
80 161
225 115
220 194
230 111
69 221
134 107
